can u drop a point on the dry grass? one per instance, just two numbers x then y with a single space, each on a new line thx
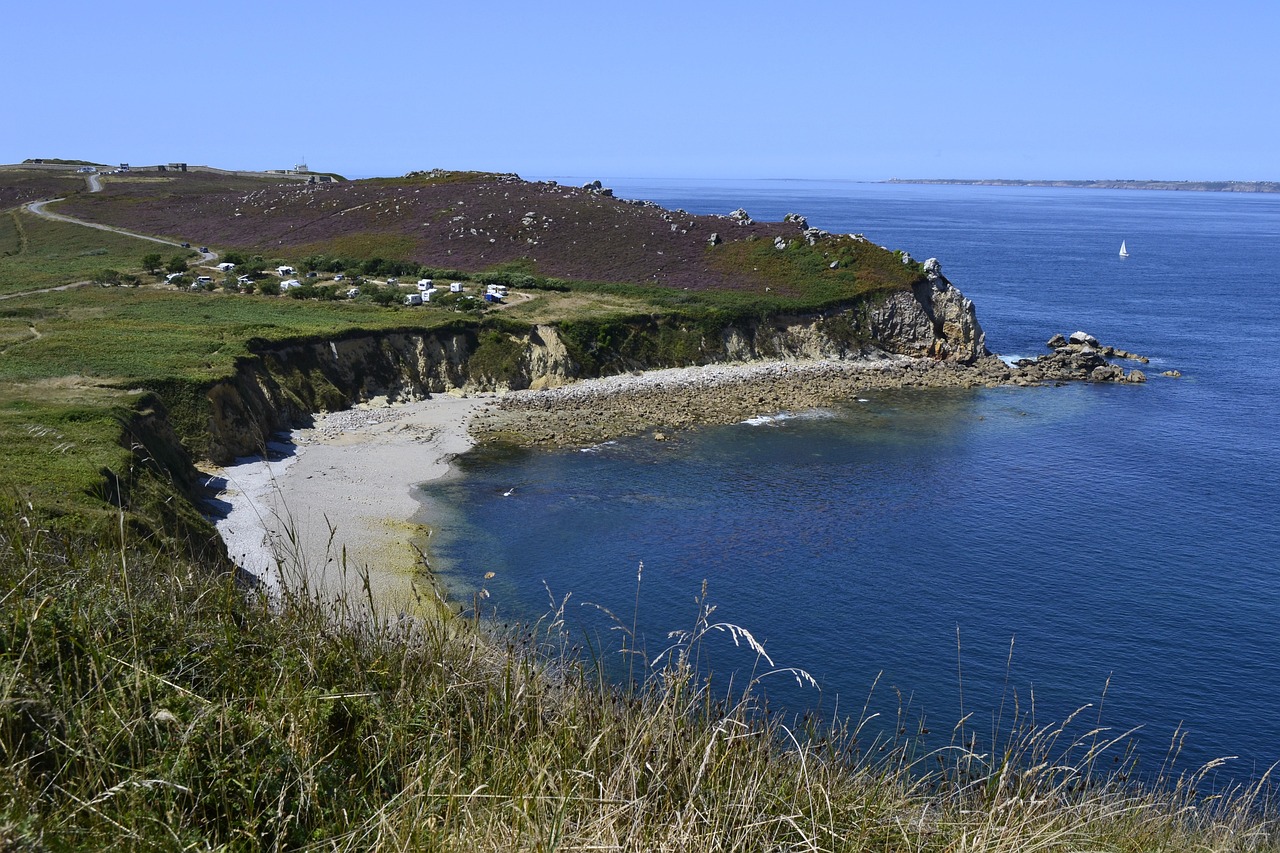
147 703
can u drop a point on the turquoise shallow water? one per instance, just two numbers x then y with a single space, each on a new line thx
1118 539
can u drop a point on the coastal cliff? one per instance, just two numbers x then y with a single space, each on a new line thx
282 385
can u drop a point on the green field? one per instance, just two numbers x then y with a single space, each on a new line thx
37 253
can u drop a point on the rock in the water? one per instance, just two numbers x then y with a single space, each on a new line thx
659 436
1106 373
1136 375
1083 339
1056 341
1172 374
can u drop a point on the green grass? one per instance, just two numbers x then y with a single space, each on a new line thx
131 335
147 703
58 253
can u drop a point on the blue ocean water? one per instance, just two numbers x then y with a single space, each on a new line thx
1112 545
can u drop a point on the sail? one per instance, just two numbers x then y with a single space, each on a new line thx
1124 253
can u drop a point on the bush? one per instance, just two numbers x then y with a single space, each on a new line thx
499 360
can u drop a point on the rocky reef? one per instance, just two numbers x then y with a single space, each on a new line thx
1079 357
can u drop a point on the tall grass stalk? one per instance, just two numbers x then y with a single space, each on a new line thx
149 702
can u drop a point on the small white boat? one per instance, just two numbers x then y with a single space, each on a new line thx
1124 253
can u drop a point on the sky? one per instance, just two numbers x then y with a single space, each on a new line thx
823 89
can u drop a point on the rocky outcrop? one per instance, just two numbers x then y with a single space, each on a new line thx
934 320
1079 357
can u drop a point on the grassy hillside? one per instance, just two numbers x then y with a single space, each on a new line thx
474 222
38 253
148 701
19 186
148 704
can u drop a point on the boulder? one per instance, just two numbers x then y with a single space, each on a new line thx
1056 341
1172 374
779 243
741 217
1106 373
714 239
797 219
1135 375
1083 339
813 235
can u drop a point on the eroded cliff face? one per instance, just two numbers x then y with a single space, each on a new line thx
285 384
935 320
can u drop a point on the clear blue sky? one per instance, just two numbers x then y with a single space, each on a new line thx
862 90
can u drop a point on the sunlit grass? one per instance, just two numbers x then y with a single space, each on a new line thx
148 702
58 253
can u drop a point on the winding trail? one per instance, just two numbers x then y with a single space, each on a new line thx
37 208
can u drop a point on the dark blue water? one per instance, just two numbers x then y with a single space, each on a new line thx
961 549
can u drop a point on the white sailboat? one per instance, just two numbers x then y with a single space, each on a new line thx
1124 253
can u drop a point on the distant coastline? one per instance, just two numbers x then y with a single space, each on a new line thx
1187 186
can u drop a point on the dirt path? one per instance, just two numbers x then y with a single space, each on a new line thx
37 208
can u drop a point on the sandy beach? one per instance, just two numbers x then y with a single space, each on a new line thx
341 492
344 485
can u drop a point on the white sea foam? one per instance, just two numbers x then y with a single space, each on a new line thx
769 420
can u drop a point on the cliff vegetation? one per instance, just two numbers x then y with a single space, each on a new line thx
149 700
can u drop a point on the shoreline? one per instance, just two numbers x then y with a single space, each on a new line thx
336 499
342 491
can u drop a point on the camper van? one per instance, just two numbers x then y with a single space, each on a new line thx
413 299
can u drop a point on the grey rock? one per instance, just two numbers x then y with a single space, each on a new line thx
1083 338
714 239
797 219
779 243
1056 341
741 217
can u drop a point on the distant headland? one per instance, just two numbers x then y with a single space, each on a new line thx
1190 186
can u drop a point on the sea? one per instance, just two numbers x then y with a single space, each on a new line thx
943 561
